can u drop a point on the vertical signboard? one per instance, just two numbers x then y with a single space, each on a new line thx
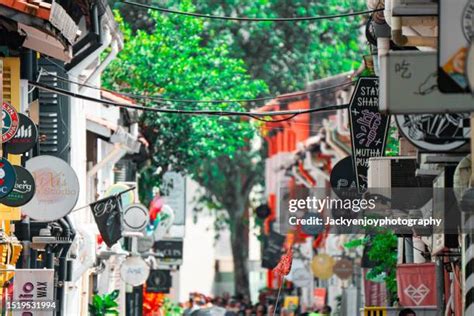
33 293
174 195
456 28
369 127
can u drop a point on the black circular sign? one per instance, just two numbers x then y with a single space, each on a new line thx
23 191
312 226
25 137
343 179
263 211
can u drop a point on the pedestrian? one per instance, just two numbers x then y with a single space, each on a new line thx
407 312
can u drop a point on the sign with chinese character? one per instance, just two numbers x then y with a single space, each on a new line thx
33 292
456 28
409 85
369 127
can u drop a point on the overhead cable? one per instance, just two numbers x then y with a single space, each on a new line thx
256 115
247 19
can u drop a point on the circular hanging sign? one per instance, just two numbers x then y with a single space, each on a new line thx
25 138
7 177
135 218
145 243
343 179
10 122
127 197
23 191
263 211
435 132
343 269
134 271
470 67
57 189
322 266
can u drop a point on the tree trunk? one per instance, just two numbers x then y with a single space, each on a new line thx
240 250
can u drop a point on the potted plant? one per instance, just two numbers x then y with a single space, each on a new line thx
104 305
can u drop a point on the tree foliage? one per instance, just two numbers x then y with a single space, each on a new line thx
285 55
174 61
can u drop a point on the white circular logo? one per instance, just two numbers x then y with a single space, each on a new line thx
57 189
134 271
135 218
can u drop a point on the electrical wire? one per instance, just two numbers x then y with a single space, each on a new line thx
255 115
247 19
325 90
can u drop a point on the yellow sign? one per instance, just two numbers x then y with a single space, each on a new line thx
291 302
11 94
322 266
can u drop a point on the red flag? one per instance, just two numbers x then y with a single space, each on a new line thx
284 266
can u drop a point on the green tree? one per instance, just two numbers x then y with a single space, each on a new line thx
285 55
217 152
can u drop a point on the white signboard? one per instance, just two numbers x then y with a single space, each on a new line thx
57 189
174 194
134 271
33 291
409 85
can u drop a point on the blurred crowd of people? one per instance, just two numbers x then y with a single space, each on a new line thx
201 305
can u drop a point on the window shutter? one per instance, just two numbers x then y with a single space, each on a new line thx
54 113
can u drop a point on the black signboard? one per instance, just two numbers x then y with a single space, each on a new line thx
169 249
108 216
343 179
159 281
25 137
273 250
369 127
23 191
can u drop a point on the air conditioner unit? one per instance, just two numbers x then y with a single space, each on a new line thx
415 8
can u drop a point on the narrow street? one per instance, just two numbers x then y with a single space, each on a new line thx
237 158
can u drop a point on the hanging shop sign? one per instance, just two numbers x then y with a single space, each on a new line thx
145 243
25 138
163 222
343 269
273 250
57 189
11 120
369 128
33 293
456 28
108 217
127 197
322 266
300 275
159 281
263 211
135 218
319 295
169 249
174 194
343 179
417 284
415 74
134 271
23 191
435 132
7 177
